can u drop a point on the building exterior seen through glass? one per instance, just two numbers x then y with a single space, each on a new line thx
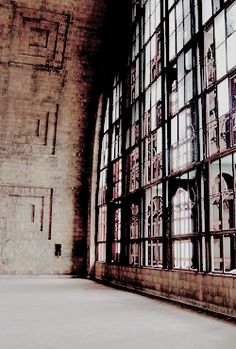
167 177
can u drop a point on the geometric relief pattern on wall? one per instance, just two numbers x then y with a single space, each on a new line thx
39 37
29 129
25 214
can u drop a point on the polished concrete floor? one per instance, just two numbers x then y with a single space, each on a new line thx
65 313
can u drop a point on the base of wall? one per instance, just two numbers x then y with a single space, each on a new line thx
206 292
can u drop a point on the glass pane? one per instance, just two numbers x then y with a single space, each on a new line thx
216 5
223 97
188 60
217 257
227 189
220 61
219 29
171 22
187 29
180 67
183 254
231 19
101 252
206 10
188 87
233 93
215 196
231 44
179 13
172 46
209 53
170 3
134 254
181 94
158 13
227 254
186 4
180 37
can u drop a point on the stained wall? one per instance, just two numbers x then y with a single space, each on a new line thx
50 78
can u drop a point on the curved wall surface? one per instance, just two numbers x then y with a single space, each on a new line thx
49 53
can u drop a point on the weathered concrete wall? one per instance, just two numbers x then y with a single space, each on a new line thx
216 293
49 53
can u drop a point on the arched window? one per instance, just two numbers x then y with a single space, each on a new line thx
222 218
184 243
182 212
222 202
227 185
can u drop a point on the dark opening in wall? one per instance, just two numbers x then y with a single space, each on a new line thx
58 250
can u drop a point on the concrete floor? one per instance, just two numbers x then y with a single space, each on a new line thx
72 313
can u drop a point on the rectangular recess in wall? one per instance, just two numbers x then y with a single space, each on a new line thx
28 128
39 37
26 213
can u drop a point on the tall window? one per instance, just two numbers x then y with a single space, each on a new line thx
102 191
222 210
183 223
182 137
153 225
116 237
133 230
220 130
179 26
166 193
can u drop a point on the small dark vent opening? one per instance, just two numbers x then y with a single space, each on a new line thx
58 250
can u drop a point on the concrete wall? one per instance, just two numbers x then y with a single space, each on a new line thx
213 292
49 53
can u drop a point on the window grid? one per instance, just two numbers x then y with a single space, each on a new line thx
179 88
